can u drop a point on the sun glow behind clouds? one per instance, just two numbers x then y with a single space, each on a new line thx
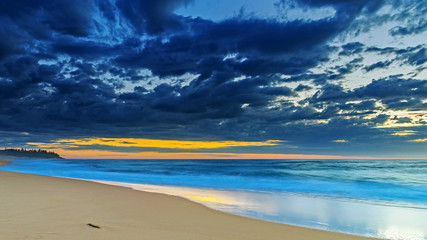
404 133
102 154
410 119
340 141
77 149
150 143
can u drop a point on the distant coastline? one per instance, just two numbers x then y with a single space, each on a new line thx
15 154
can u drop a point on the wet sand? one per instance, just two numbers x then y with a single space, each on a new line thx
3 162
40 207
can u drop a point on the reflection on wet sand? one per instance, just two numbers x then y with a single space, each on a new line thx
358 218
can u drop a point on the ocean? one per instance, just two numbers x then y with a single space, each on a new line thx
376 198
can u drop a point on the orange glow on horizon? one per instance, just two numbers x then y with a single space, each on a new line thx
100 154
150 143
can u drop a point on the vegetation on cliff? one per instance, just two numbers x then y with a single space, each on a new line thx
29 153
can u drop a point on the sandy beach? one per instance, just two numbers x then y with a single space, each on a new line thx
39 207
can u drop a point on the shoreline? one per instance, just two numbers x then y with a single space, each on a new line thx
155 186
281 208
3 163
123 213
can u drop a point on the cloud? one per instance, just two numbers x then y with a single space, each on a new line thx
419 140
340 141
264 48
302 87
59 16
149 143
418 58
378 65
383 89
136 69
409 30
152 16
413 18
414 56
351 48
404 133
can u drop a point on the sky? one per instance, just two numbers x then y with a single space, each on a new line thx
215 78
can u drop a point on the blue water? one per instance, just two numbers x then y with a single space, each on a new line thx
377 198
388 182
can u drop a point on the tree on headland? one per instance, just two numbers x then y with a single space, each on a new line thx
29 153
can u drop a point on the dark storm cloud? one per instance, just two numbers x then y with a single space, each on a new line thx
43 95
351 48
302 87
39 18
415 56
418 58
347 68
346 9
152 16
333 74
264 46
65 66
410 30
381 64
81 48
395 93
11 40
215 98
411 55
24 24
384 88
414 17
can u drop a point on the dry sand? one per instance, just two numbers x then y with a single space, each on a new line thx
39 207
